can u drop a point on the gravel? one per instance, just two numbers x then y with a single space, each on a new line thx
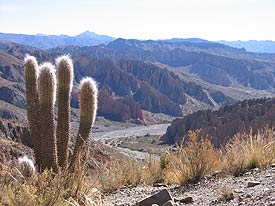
207 192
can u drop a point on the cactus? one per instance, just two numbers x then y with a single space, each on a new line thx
33 111
41 91
88 108
47 89
65 83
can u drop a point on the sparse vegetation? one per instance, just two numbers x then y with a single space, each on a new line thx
47 188
248 151
232 159
197 158
128 172
193 160
225 193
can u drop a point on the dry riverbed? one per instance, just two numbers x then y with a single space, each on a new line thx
137 141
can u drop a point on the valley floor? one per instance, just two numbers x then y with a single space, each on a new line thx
138 141
209 192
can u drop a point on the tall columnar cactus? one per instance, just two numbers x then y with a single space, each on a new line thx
41 91
88 109
65 84
47 90
33 111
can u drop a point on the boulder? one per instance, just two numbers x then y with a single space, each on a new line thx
160 198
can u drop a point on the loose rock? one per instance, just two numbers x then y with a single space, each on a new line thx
159 184
253 183
169 203
248 195
186 200
160 198
238 191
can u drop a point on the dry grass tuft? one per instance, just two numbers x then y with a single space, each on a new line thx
128 172
247 151
225 193
233 160
193 160
63 188
151 171
47 188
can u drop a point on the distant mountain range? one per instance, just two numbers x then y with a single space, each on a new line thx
266 46
88 38
173 77
192 40
253 45
43 41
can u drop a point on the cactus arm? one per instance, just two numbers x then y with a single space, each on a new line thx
88 109
47 88
64 88
33 112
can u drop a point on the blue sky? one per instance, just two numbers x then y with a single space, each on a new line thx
143 19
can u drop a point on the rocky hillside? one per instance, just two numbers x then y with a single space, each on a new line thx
126 86
170 77
205 60
222 124
12 88
15 132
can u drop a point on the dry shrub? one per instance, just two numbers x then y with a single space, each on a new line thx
225 193
44 189
248 151
118 173
192 161
151 171
53 189
128 172
233 159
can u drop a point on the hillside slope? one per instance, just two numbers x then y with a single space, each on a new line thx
173 78
224 123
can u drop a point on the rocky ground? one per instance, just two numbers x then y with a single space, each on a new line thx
254 188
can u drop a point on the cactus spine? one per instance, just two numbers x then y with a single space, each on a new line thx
88 108
47 88
41 91
65 83
33 111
